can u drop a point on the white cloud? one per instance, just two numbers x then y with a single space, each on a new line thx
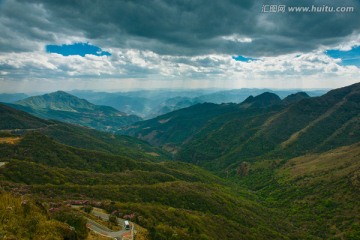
237 38
352 41
139 69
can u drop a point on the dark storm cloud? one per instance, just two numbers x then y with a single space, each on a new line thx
181 27
24 26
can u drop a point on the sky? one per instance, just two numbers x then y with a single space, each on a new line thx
121 45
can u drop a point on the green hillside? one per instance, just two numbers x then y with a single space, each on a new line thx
58 172
68 108
311 125
173 129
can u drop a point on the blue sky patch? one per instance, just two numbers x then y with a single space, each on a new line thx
243 59
351 57
80 49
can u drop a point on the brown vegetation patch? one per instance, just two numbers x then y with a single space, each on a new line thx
154 154
340 162
9 140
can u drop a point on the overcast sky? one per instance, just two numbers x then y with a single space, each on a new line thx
127 44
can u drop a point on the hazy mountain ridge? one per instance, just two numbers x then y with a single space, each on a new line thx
144 103
12 97
152 103
68 108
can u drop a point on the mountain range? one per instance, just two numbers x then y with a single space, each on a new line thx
178 127
261 126
68 108
152 103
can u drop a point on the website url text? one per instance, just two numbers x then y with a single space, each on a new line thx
312 9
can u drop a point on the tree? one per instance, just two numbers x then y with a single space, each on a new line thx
113 219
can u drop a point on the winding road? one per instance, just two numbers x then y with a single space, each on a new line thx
105 231
102 230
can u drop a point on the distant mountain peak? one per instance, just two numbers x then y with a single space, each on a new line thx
60 93
58 100
63 106
296 97
263 100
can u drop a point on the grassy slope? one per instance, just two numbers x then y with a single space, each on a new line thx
23 219
320 192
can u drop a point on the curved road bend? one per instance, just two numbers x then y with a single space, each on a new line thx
96 227
105 216
102 230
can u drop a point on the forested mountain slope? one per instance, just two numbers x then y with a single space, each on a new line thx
167 198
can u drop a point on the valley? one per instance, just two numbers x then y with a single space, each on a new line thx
265 168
